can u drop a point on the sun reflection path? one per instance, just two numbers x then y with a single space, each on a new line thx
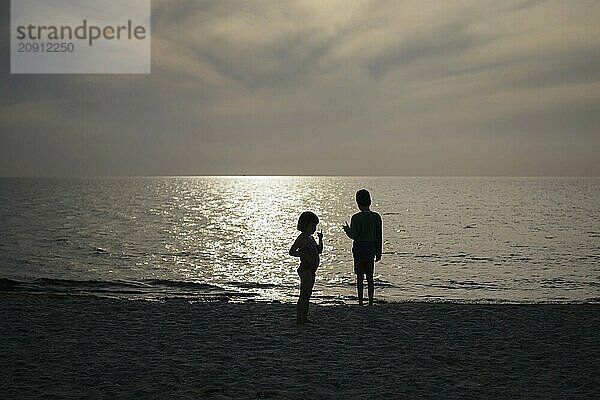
257 228
251 226
235 232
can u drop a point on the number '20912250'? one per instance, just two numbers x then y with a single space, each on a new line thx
46 47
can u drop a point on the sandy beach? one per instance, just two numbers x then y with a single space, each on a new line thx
82 347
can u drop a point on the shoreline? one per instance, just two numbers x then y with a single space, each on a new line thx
132 290
77 346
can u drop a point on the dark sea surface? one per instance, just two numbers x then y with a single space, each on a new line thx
517 240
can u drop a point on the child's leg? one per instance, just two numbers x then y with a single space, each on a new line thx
305 290
361 268
300 305
371 286
311 284
359 287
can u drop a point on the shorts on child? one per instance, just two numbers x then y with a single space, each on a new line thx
364 267
364 250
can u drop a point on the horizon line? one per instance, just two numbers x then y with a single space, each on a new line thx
284 176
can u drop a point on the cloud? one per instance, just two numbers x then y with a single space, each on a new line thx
253 87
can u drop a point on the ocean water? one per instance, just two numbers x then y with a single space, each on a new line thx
524 240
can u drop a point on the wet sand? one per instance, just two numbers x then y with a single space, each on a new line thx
81 347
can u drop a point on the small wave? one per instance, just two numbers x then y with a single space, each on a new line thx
464 285
145 289
383 283
474 258
427 255
564 284
253 285
593 300
519 257
100 251
397 253
238 258
180 284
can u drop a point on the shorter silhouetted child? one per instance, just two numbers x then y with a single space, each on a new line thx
306 248
365 231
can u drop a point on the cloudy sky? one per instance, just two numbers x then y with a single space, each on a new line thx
314 87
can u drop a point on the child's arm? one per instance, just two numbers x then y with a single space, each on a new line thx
296 252
348 230
320 246
295 249
379 237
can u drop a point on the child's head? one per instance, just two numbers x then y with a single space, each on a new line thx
308 222
363 198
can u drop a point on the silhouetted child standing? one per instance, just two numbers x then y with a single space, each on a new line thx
308 250
365 230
